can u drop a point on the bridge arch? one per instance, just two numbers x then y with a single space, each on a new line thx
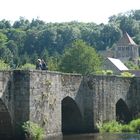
122 112
72 121
6 129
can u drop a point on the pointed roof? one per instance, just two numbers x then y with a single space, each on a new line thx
126 40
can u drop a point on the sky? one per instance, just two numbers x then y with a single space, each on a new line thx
96 11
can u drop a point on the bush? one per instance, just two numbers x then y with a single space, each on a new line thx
135 125
127 74
109 72
132 65
28 66
4 66
33 131
114 126
126 128
100 72
104 72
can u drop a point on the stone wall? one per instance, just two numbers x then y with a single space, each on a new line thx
47 90
14 102
95 96
21 92
108 90
6 104
61 102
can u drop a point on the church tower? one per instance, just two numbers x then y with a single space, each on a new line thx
126 49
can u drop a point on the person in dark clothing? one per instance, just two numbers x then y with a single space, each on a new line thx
38 64
44 65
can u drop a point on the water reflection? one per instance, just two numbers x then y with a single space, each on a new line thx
103 137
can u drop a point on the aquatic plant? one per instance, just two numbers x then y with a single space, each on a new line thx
135 125
33 131
114 126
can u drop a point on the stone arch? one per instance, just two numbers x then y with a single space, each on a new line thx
122 112
71 117
6 129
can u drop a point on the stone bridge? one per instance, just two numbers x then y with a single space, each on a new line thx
64 103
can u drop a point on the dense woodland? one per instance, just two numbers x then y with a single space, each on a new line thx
25 41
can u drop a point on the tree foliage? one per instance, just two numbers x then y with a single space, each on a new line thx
3 65
80 58
24 41
28 66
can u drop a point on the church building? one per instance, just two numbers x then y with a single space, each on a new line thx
125 50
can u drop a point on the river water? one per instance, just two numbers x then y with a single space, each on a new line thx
106 136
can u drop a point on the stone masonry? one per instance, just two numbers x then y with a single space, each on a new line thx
61 102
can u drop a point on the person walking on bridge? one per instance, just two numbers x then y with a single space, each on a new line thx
38 64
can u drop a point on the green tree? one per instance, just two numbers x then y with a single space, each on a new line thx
6 54
18 36
129 25
136 14
5 24
109 34
31 41
3 39
3 65
22 23
36 23
54 62
80 58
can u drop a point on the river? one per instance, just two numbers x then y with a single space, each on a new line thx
106 136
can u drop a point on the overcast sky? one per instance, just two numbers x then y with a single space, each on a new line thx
96 11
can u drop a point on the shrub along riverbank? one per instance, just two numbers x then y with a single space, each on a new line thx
116 127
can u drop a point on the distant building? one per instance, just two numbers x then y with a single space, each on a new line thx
115 65
125 50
